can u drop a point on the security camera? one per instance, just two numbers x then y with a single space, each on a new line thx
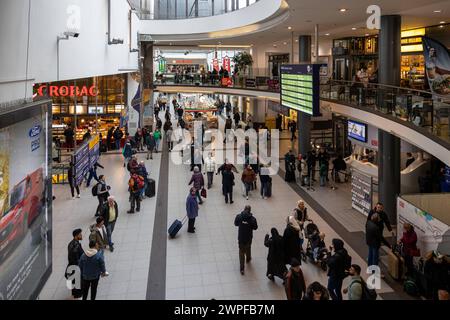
74 34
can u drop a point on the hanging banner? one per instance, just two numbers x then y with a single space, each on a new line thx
437 62
432 234
216 64
226 63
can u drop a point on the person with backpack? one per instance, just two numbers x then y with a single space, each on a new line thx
93 173
127 153
75 251
135 185
157 136
355 288
246 223
138 138
338 265
101 191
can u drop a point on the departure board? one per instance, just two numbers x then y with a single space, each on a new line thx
300 85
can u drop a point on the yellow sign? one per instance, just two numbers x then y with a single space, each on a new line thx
412 48
413 33
94 141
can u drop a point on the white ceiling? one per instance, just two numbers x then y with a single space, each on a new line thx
305 14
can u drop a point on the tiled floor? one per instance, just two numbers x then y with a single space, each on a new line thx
129 263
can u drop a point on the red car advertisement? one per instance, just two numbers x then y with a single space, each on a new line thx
25 208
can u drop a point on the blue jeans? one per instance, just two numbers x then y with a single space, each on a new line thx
109 231
264 188
335 288
157 145
92 174
145 188
374 254
117 144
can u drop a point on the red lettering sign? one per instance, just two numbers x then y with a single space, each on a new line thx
68 91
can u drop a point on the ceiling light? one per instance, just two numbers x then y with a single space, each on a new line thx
274 45
285 43
342 10
441 26
442 22
296 40
437 11
367 34
289 28
327 34
353 28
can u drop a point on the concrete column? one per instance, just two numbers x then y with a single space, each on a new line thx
303 119
389 145
146 77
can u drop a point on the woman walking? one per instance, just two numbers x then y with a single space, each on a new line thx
275 259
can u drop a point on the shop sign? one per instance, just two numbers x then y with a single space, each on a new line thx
95 140
250 83
67 91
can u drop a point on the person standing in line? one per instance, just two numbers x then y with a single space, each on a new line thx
75 251
275 257
192 209
246 223
150 143
169 137
118 135
311 162
295 282
92 267
382 221
72 181
248 177
142 172
199 183
291 237
338 265
323 173
138 139
355 288
303 166
237 119
157 136
110 213
210 168
410 250
180 112
127 153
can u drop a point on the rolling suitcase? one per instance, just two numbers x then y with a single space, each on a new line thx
396 265
176 226
150 190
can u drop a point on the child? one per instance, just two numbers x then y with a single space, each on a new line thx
317 244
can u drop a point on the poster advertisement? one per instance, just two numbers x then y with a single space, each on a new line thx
226 63
25 212
216 64
432 234
437 65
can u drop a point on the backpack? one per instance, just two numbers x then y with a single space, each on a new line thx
94 190
136 182
367 294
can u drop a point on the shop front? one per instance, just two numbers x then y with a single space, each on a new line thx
94 104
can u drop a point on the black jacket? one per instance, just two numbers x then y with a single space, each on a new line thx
105 212
373 234
291 239
227 179
246 223
264 178
75 251
336 264
275 257
384 220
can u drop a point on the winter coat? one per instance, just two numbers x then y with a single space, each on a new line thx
92 264
227 179
150 142
127 151
75 251
275 257
246 223
295 285
248 176
409 240
191 207
198 180
336 264
210 165
157 135
291 237
384 220
373 234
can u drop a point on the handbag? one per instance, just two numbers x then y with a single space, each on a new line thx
203 193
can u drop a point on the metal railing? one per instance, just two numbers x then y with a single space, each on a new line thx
185 9
430 113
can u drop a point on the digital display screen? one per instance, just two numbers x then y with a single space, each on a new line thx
300 85
357 131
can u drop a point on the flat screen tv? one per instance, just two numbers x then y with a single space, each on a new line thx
357 131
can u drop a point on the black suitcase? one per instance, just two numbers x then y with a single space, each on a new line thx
150 190
175 227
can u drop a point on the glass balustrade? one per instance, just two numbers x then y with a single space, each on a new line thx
430 113
185 9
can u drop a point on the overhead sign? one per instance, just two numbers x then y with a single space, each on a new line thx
67 91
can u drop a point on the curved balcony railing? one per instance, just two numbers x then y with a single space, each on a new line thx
185 9
428 112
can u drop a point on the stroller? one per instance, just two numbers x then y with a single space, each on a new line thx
315 242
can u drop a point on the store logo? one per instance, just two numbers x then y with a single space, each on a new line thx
67 91
374 20
35 131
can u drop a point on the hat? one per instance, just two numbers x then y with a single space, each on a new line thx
295 263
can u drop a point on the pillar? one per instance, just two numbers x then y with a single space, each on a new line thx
303 119
389 145
146 79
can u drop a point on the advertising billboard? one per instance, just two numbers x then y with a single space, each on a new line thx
437 61
300 87
357 130
25 201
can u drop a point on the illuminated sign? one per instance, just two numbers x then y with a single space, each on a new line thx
413 33
67 91
412 48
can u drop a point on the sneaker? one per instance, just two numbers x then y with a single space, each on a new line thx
73 198
231 202
78 196
130 211
247 197
111 248
106 274
242 272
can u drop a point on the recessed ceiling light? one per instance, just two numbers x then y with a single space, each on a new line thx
327 34
296 40
437 11
275 45
442 22
285 43
367 34
290 28
353 28
441 26
342 10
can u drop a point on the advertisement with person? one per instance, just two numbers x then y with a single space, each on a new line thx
437 62
432 234
25 215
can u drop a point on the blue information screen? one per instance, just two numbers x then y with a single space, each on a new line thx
357 131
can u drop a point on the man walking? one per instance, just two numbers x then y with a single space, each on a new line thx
99 234
92 267
135 184
75 251
210 168
102 192
110 213
246 223
338 265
